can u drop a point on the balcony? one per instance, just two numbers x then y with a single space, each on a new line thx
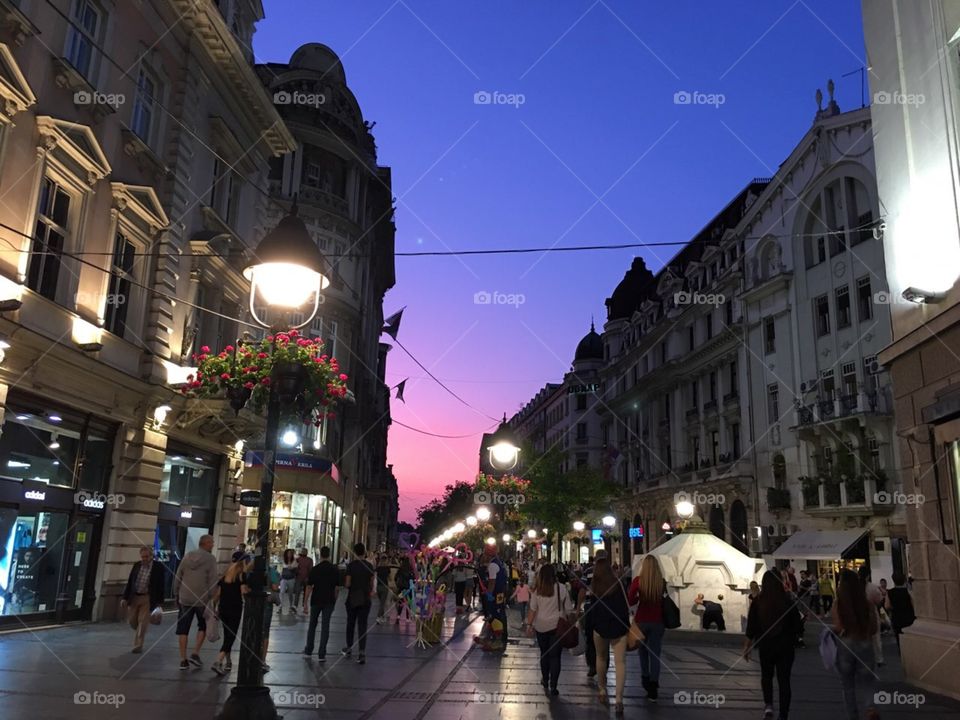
710 407
731 401
858 495
778 499
876 402
324 200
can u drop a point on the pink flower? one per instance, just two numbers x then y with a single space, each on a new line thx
265 381
343 377
204 349
225 376
262 355
228 348
269 338
294 333
249 385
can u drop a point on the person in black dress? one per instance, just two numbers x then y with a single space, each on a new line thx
230 592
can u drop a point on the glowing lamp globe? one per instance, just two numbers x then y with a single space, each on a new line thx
685 509
459 527
506 537
609 521
491 541
471 521
483 514
531 533
503 448
579 526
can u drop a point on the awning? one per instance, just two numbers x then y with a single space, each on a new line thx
819 544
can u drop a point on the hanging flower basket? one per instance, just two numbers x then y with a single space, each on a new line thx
310 382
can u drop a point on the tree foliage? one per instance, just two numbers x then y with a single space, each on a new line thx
438 514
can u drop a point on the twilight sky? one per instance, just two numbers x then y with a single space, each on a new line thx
597 152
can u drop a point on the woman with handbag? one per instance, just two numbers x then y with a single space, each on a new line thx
773 624
611 626
548 610
647 593
288 582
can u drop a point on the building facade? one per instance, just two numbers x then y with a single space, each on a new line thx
134 176
915 76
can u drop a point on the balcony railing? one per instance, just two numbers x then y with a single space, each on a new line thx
858 495
874 401
778 498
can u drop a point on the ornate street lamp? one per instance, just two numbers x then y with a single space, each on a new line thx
609 521
287 271
503 448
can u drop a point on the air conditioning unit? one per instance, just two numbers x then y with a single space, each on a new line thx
784 532
756 546
771 530
872 366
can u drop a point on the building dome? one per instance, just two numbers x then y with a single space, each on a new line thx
590 348
314 56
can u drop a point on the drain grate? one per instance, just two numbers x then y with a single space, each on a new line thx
411 695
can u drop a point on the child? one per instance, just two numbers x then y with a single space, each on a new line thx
521 595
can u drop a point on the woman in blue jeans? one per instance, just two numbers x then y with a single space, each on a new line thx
855 622
548 604
646 591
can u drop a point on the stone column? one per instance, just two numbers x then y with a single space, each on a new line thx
226 529
133 522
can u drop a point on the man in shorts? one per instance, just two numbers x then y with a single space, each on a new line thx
195 583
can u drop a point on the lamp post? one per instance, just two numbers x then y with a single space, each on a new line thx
287 269
503 448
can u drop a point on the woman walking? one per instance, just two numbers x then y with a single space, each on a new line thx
773 624
521 596
646 591
611 622
288 581
855 622
547 605
231 590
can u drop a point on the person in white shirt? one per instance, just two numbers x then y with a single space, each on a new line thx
548 604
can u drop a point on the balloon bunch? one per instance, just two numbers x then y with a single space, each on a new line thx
423 595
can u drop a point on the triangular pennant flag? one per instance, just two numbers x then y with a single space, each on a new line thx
399 388
392 324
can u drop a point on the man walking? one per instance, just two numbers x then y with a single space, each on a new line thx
195 583
495 594
360 583
304 563
321 589
143 593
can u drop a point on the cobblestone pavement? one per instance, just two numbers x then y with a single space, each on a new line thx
47 674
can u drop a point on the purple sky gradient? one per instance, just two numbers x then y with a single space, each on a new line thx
598 153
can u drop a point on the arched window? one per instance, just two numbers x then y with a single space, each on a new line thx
840 215
738 527
779 466
716 522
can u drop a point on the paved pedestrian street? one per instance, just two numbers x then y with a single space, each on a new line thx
86 671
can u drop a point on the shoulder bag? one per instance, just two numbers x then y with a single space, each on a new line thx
671 613
568 635
635 636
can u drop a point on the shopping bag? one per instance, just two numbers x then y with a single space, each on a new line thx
828 649
671 613
581 646
156 615
213 625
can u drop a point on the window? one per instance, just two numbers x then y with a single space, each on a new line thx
581 431
769 335
50 236
733 377
821 249
144 105
225 192
713 385
873 447
691 340
822 315
842 297
827 385
121 279
849 378
714 446
709 324
581 460
838 241
728 312
695 451
864 299
663 353
666 408
694 395
773 403
189 478
581 402
82 37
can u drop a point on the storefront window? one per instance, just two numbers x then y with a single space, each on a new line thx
33 448
297 520
30 559
189 478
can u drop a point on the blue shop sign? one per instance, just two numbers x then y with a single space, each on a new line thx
291 461
636 532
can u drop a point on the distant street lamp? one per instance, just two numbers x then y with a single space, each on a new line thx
503 448
579 525
506 537
483 514
531 533
459 527
491 541
609 521
471 521
286 270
